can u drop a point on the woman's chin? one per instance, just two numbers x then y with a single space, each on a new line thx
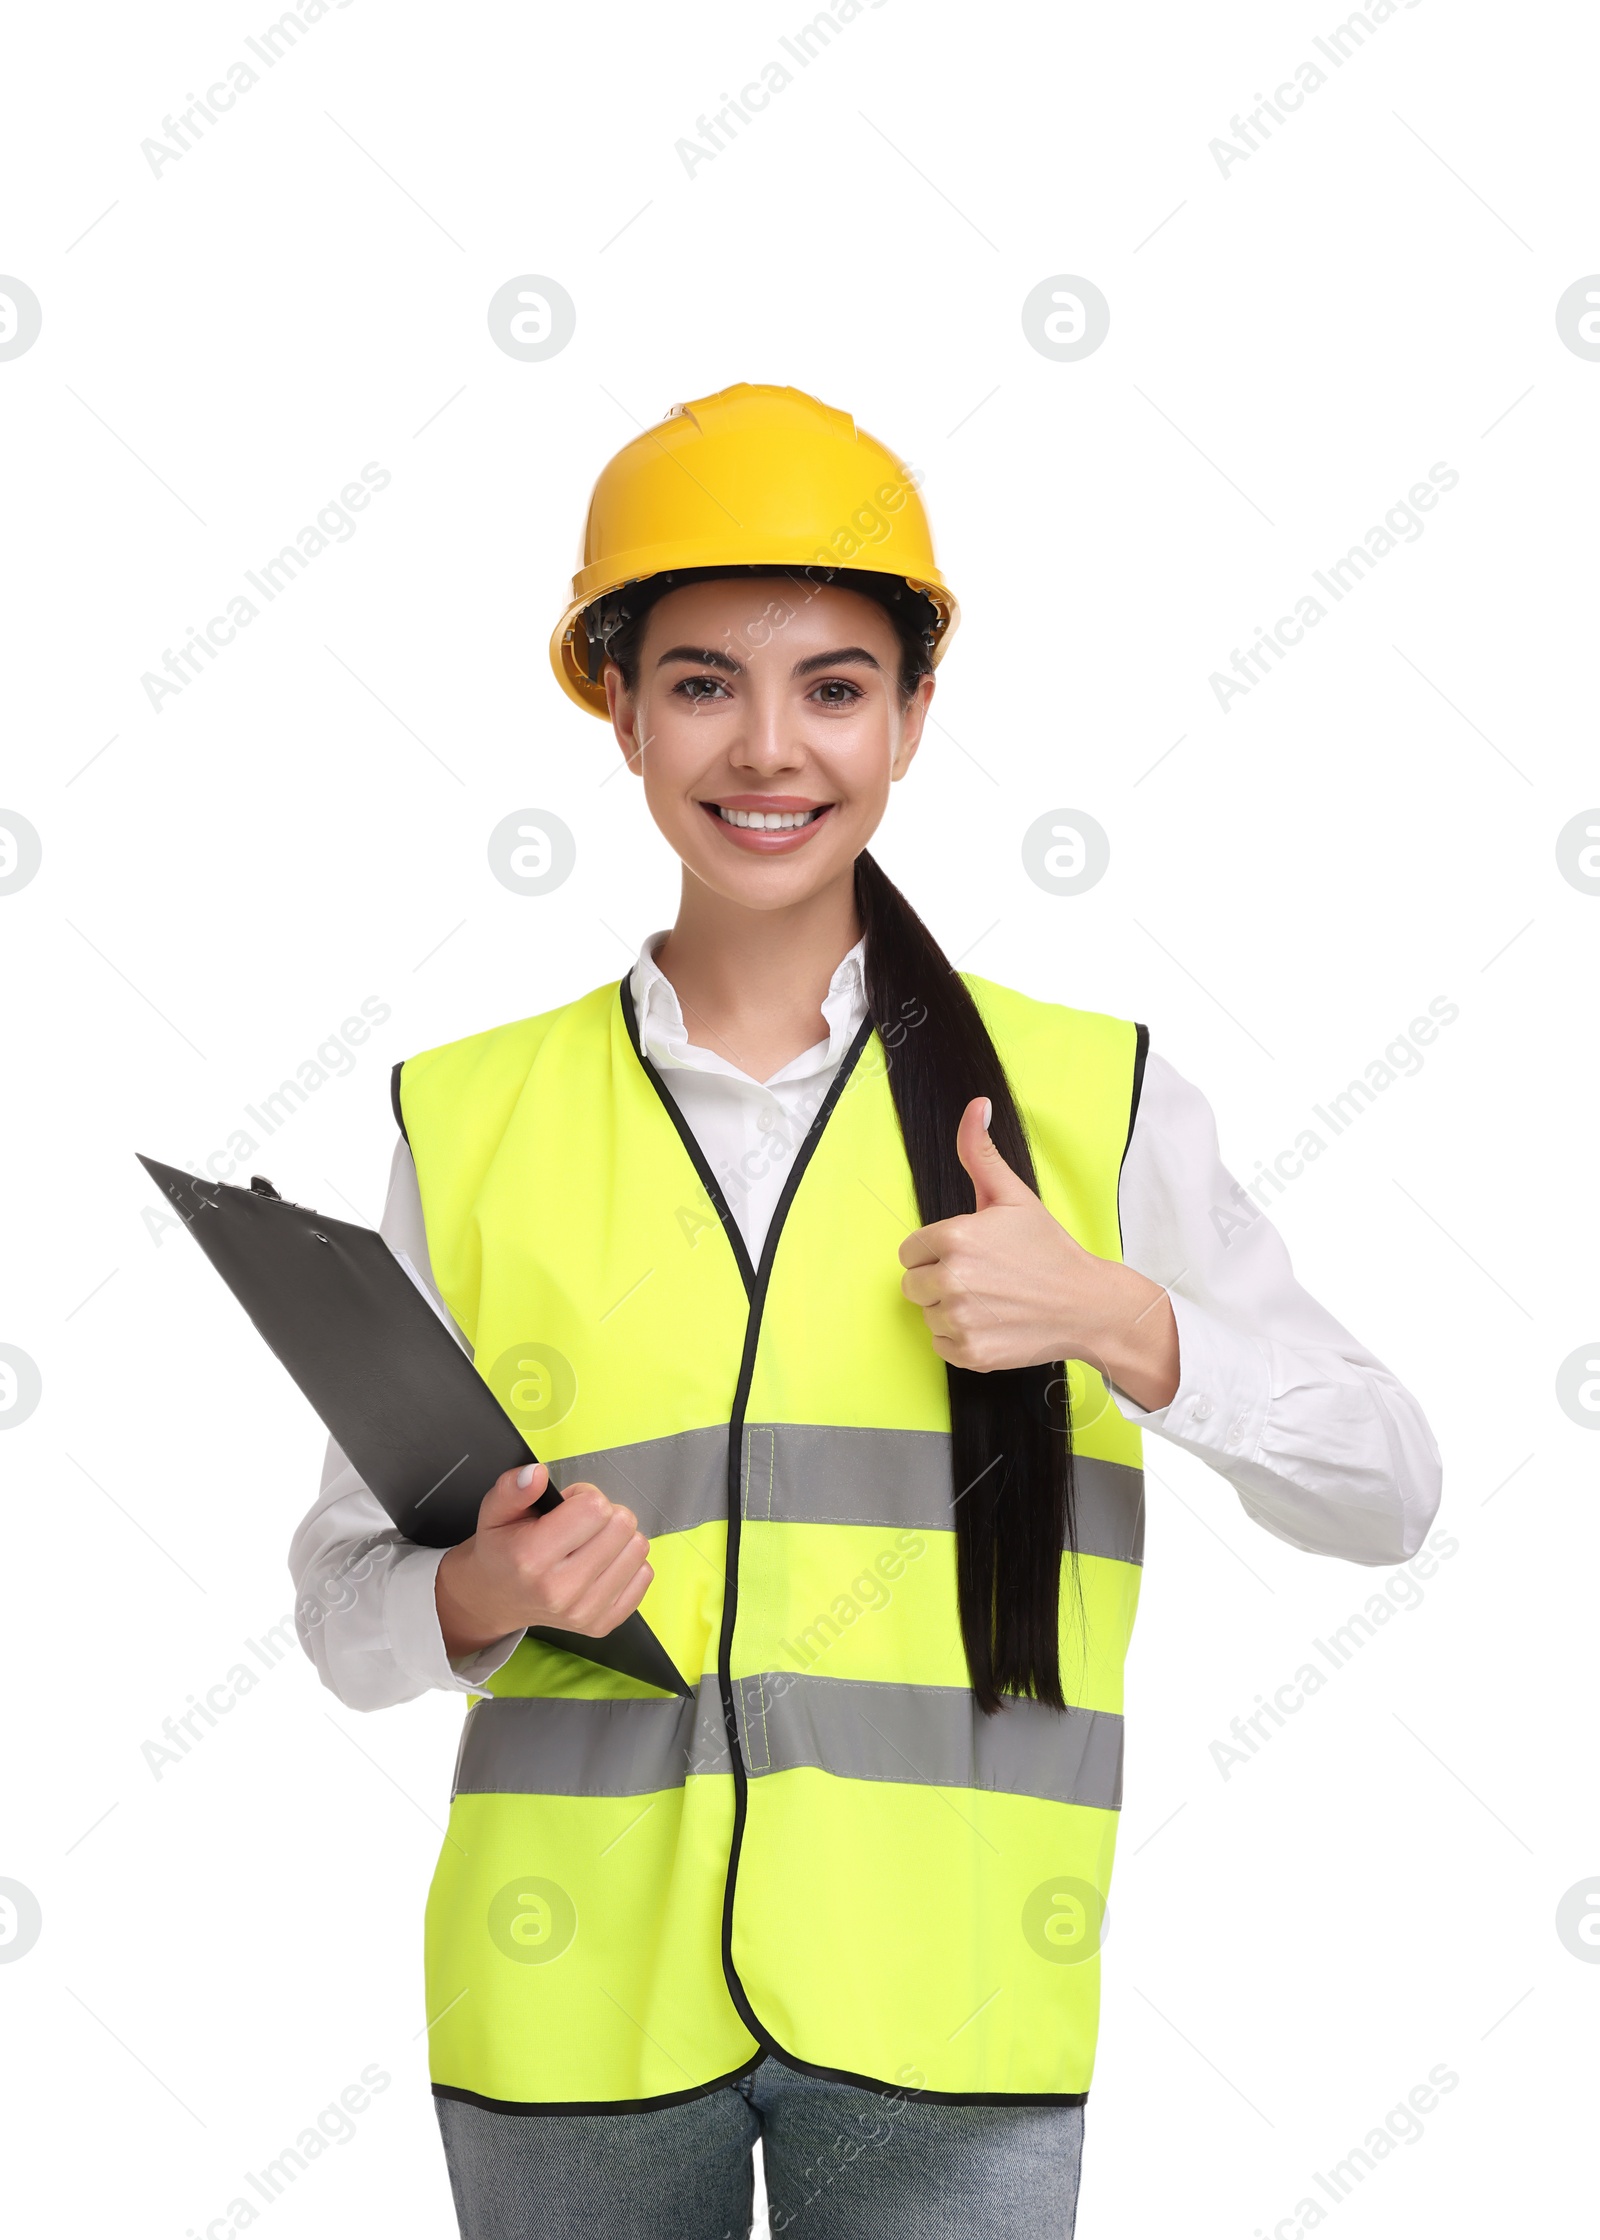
753 872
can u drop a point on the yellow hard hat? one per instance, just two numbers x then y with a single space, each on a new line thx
753 476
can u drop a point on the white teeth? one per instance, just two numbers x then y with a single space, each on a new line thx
768 820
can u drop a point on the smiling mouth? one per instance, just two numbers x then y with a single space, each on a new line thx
766 820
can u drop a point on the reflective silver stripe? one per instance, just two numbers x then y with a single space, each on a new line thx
570 1746
862 1730
875 1730
805 1473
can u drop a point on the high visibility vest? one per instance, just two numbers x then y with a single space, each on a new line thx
831 1854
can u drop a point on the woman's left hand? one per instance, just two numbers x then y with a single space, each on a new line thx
1007 1287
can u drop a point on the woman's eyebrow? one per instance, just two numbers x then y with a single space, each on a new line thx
835 661
705 657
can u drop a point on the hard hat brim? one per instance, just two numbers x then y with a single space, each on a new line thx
568 641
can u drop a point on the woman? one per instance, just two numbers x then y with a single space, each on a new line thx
778 1250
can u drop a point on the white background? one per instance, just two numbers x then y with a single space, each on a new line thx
1292 346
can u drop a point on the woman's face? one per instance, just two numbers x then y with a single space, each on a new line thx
768 728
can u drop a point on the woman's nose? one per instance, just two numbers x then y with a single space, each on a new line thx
767 739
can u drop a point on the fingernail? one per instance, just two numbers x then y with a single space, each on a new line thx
988 1114
525 1476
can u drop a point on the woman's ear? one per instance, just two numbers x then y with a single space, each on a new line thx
912 719
623 709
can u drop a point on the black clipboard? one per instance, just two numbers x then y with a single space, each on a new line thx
369 1350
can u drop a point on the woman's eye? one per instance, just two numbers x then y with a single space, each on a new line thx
836 692
697 689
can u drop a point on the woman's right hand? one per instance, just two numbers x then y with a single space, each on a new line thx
581 1567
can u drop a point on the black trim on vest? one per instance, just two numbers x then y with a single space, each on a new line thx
1141 1051
730 1593
594 2107
394 1098
756 1286
713 1187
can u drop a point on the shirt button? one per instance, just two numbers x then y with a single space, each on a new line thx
1202 1408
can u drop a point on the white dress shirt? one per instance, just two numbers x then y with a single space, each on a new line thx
1323 1446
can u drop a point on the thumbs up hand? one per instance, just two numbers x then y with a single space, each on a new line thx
1007 1287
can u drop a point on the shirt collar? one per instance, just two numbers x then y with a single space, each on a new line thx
666 1040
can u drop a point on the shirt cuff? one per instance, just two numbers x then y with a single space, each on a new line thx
1224 1389
416 1640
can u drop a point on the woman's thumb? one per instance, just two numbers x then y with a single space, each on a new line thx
992 1180
513 1494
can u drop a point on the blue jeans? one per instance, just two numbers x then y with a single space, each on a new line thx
843 2162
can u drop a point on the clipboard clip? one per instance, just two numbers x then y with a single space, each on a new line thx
262 1188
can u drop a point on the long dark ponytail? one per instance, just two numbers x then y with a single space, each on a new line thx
1010 1429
